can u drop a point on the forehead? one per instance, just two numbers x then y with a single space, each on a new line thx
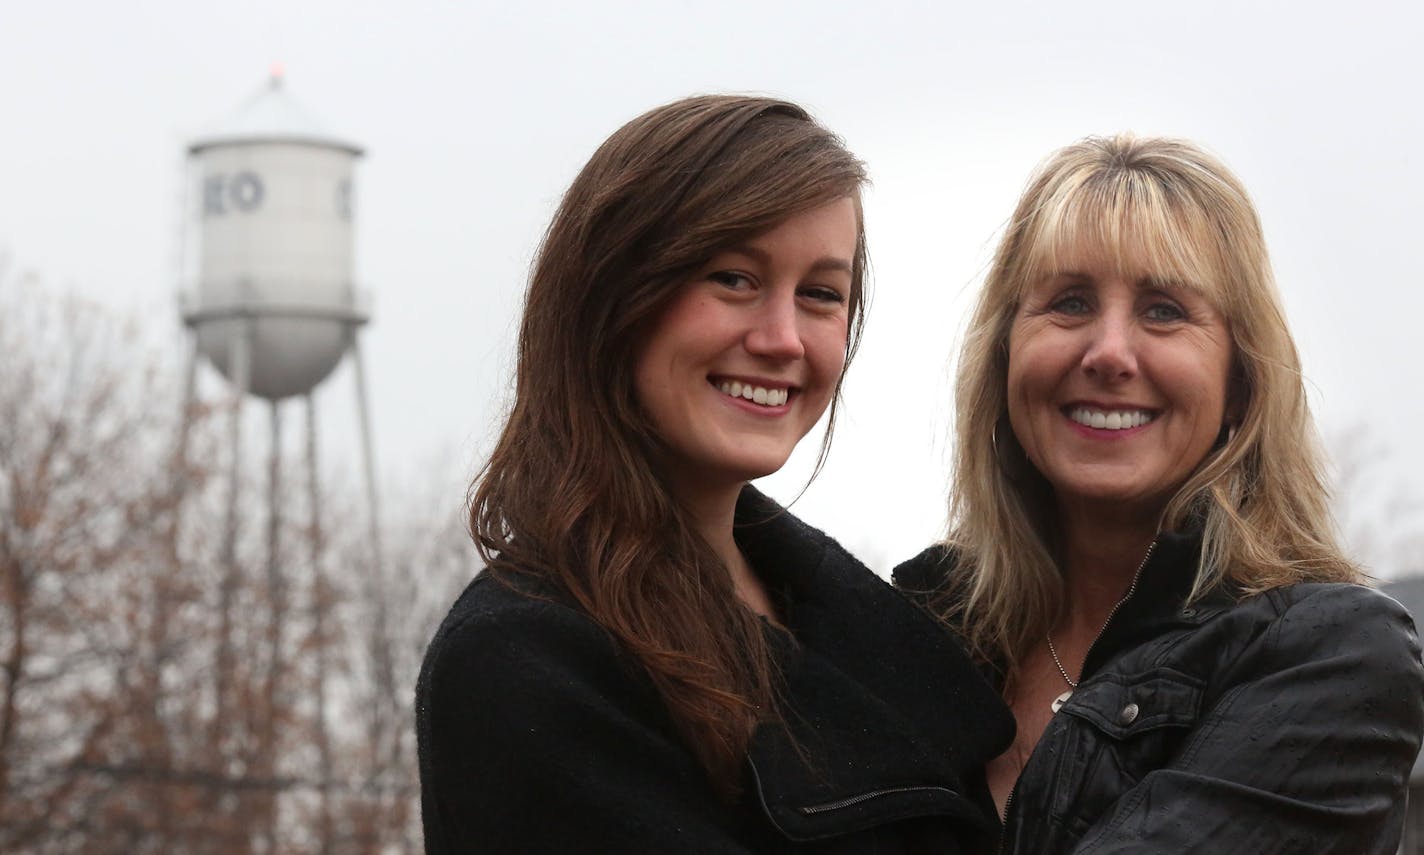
1136 238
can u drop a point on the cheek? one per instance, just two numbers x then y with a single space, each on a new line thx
1210 375
680 333
1016 392
650 355
648 383
826 349
1023 377
656 360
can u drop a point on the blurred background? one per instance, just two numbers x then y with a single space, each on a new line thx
209 640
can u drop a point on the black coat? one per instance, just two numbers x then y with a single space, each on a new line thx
538 734
1285 722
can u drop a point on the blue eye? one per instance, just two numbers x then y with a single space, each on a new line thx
1071 305
1164 312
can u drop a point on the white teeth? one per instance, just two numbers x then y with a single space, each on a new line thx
1114 420
756 394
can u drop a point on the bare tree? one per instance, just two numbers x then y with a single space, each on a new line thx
112 737
76 514
1379 508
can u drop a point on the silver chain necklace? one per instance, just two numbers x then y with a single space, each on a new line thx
1062 699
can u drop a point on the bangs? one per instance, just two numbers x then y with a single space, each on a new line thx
1130 222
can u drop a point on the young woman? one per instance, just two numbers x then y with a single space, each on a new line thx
657 657
1141 547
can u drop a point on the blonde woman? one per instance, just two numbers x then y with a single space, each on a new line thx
1141 551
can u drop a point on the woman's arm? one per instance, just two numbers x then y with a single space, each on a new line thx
535 737
1308 751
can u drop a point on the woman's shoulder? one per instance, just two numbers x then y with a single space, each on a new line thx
536 733
1284 608
928 572
1348 614
1311 637
514 638
513 617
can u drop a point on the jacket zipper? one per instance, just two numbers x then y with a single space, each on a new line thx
1008 806
1131 589
865 797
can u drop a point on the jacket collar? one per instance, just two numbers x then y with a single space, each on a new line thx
1159 600
868 737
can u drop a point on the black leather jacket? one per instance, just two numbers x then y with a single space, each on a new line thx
1280 723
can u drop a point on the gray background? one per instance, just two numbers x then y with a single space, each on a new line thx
477 115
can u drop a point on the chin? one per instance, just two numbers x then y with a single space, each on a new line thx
1117 497
752 467
751 472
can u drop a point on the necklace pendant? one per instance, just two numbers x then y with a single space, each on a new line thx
1062 699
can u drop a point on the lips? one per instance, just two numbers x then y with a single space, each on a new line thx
768 395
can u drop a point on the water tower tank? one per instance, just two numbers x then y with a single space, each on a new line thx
274 244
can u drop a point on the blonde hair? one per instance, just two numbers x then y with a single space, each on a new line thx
1168 209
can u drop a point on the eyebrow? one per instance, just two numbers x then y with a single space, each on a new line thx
1169 285
825 263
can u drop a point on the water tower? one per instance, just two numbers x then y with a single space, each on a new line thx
269 293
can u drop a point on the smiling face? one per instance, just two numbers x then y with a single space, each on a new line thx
745 359
1117 383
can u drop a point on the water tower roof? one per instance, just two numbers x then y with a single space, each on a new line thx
271 115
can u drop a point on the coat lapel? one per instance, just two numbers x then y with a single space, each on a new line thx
884 714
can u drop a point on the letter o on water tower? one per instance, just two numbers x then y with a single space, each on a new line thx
245 191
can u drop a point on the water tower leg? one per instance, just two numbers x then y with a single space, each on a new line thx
384 749
319 602
274 496
239 360
276 619
162 595
178 488
276 584
363 403
185 426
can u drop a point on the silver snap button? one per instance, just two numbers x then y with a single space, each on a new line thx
1128 714
1189 613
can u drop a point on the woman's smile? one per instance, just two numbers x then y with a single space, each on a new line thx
764 395
1117 421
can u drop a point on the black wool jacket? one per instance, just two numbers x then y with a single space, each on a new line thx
1285 722
538 734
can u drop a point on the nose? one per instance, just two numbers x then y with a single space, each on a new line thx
1110 355
775 331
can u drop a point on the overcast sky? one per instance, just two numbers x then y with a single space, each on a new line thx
475 116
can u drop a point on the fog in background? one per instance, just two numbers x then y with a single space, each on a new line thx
475 116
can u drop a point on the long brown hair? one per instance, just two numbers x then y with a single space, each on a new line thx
571 492
1260 497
